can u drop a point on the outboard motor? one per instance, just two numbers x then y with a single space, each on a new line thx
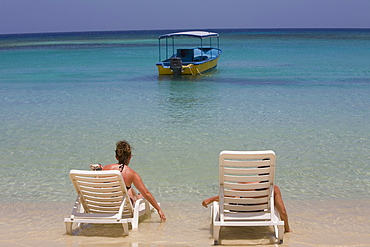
176 65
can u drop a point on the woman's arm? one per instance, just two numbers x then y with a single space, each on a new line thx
210 200
138 182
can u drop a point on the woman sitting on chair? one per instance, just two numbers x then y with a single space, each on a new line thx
123 156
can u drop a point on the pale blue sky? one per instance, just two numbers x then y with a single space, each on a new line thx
38 16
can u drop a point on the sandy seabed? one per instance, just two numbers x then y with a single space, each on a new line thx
319 223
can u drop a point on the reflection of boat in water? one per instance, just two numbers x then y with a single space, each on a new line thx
188 61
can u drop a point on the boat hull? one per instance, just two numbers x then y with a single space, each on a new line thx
195 68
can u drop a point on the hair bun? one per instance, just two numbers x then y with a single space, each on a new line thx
119 151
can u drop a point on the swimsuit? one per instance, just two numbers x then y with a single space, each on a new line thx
121 167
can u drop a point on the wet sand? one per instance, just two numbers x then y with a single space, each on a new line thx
322 223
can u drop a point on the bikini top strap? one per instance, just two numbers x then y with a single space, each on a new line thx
121 166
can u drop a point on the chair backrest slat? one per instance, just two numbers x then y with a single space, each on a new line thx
243 194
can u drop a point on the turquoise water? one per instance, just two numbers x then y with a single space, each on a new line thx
65 99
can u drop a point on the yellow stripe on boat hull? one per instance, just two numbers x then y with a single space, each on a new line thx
191 69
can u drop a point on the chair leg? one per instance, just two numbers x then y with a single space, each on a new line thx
280 236
216 234
125 228
135 220
148 212
212 215
135 224
69 227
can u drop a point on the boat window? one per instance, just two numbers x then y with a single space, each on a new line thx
187 55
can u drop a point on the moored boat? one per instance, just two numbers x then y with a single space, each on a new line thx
188 61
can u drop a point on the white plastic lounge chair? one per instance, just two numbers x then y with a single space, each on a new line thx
246 196
102 198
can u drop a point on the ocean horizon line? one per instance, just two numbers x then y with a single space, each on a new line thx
146 31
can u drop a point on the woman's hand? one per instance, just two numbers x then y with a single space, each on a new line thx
161 215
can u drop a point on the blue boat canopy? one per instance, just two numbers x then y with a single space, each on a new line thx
197 34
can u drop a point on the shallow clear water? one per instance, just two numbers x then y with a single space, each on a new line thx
65 99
